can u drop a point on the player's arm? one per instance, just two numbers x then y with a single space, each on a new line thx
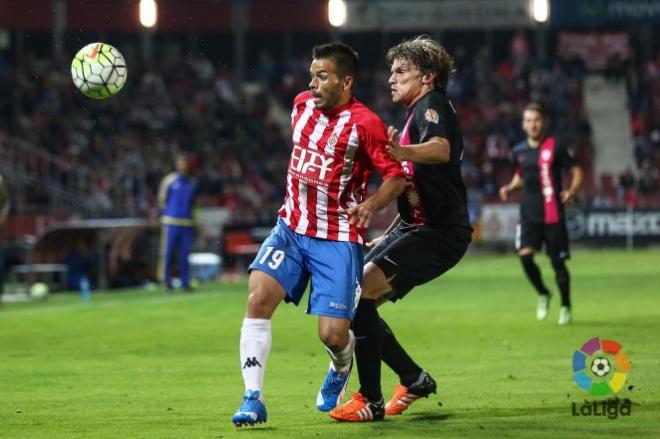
389 189
514 185
435 151
373 136
433 126
568 196
162 191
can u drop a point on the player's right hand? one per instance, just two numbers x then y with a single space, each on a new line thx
374 242
504 194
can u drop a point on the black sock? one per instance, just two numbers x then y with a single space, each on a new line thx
397 358
533 274
368 348
563 281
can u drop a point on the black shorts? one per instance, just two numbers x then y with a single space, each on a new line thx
415 255
554 236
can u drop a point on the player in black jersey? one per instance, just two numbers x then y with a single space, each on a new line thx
430 234
539 163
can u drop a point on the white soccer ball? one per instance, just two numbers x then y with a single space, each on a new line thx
39 290
99 70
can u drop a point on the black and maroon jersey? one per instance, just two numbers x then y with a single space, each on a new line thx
541 170
434 194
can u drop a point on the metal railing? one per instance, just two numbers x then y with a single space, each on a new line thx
31 169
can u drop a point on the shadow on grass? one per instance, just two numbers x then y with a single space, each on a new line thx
431 416
258 429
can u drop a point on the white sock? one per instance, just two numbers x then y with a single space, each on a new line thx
341 361
255 346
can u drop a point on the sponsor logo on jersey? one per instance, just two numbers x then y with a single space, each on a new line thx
432 116
546 181
311 165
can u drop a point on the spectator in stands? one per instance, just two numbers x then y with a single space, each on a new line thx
4 213
616 67
648 178
626 180
643 150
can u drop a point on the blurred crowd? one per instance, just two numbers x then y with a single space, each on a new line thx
643 83
123 146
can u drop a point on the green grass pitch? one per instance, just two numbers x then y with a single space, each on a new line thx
139 364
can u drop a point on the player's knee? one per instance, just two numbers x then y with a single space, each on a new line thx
333 339
374 284
561 271
527 259
260 303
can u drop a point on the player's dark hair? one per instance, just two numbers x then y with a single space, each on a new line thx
427 55
538 107
344 56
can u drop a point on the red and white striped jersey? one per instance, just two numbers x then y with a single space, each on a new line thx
333 155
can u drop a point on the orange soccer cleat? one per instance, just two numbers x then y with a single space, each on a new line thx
403 396
359 409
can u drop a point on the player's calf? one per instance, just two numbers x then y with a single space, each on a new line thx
334 386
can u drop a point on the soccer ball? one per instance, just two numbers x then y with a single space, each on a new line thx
600 366
99 70
39 290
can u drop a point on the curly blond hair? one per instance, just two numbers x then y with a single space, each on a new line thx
427 55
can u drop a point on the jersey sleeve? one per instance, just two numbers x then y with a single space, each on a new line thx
373 135
514 162
565 156
164 188
432 120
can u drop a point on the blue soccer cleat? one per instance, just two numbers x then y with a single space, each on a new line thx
332 390
252 410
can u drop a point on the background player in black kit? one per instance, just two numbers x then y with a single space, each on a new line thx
539 163
430 235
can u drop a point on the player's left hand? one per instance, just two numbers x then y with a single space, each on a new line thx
374 242
393 146
360 214
567 197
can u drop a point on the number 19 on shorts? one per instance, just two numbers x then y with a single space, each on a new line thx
276 257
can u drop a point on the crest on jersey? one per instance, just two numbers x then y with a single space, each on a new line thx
546 154
330 144
432 116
